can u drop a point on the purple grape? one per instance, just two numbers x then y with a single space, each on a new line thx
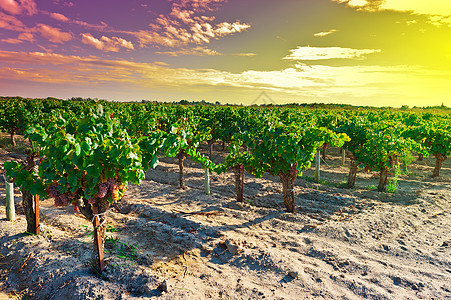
52 190
113 184
103 189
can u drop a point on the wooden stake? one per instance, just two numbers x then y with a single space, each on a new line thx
207 181
98 239
36 211
10 208
317 166
343 156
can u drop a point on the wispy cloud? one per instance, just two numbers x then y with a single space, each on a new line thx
59 17
25 36
11 23
64 3
106 44
19 7
322 53
299 82
197 51
53 34
62 18
439 10
245 54
187 24
325 33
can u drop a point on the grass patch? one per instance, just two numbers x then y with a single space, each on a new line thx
114 246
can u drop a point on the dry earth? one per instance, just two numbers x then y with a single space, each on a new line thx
169 243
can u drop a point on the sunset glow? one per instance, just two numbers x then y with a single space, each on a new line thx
360 52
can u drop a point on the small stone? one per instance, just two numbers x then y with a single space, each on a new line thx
163 287
232 248
146 289
207 249
397 280
293 274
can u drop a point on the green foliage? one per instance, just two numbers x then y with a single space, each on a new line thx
280 149
91 158
393 186
184 136
275 140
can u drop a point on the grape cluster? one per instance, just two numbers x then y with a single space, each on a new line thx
103 189
111 185
52 190
60 199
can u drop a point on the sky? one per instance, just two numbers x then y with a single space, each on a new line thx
359 52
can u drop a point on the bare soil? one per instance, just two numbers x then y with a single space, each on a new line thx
168 243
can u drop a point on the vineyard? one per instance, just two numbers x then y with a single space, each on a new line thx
198 201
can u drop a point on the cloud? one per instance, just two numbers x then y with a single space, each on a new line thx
53 34
100 27
288 79
11 41
432 8
325 33
62 18
11 23
245 54
25 36
10 6
198 4
413 84
187 24
59 17
227 28
322 53
198 51
106 44
64 3
19 7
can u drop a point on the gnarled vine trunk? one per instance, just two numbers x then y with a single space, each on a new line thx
352 170
13 140
439 159
30 214
181 156
27 200
288 191
287 180
383 179
210 148
239 182
324 156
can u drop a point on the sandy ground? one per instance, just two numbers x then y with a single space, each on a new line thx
168 243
